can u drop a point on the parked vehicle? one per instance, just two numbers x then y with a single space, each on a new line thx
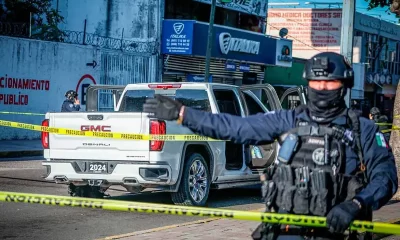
188 170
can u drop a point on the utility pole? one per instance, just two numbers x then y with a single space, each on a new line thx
346 39
210 39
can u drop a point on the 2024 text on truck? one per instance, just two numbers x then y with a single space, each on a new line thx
185 169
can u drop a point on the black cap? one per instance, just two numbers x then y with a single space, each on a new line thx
328 66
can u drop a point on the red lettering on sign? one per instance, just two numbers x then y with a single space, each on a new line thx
96 128
22 83
14 99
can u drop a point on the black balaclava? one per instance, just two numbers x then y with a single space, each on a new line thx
326 105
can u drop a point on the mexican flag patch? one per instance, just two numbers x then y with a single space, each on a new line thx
380 140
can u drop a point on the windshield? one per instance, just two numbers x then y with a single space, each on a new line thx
133 100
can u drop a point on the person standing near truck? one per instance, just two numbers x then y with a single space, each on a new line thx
332 162
71 104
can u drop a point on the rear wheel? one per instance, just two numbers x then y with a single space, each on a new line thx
194 187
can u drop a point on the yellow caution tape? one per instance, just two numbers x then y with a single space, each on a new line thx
127 136
114 135
384 124
22 113
116 205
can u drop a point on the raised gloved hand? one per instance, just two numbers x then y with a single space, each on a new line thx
162 107
340 216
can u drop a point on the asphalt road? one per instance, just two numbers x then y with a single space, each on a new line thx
28 221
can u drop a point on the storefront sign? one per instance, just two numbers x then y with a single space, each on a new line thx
378 25
228 43
244 68
177 37
230 66
254 7
284 53
312 30
242 45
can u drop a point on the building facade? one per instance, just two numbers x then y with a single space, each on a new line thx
240 51
376 49
153 28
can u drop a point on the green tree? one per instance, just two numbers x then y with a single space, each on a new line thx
39 13
378 3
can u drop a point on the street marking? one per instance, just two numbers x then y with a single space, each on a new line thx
151 230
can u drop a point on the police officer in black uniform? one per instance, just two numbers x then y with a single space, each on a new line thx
71 104
332 162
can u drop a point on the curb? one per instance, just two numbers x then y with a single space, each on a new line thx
23 153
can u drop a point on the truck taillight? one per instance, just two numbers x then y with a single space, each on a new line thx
157 127
164 86
45 135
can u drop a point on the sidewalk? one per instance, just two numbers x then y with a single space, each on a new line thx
218 229
20 148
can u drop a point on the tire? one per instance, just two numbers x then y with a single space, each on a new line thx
184 196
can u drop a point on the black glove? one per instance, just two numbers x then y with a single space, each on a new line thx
162 107
340 217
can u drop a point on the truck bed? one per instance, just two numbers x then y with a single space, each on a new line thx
82 147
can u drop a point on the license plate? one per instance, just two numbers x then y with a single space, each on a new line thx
97 167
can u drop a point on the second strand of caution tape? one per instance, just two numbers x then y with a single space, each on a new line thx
114 135
117 205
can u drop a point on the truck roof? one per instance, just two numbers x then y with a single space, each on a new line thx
197 85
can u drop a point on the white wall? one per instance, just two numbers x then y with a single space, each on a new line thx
57 66
138 19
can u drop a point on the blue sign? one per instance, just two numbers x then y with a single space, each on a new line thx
230 66
177 37
244 68
230 43
189 37
197 78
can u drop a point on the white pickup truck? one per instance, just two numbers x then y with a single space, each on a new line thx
185 169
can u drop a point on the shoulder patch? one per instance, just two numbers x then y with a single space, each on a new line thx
380 140
71 105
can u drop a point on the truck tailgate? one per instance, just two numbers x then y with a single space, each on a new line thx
81 147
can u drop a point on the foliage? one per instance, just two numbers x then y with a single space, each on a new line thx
378 3
381 3
44 19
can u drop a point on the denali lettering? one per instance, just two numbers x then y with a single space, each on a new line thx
96 144
98 128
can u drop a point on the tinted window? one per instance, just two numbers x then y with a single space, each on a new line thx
252 105
227 102
133 100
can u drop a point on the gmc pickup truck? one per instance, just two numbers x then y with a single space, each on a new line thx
188 170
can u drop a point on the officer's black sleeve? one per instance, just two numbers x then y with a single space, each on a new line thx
380 164
255 129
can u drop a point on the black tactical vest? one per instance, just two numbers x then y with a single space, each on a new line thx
309 175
